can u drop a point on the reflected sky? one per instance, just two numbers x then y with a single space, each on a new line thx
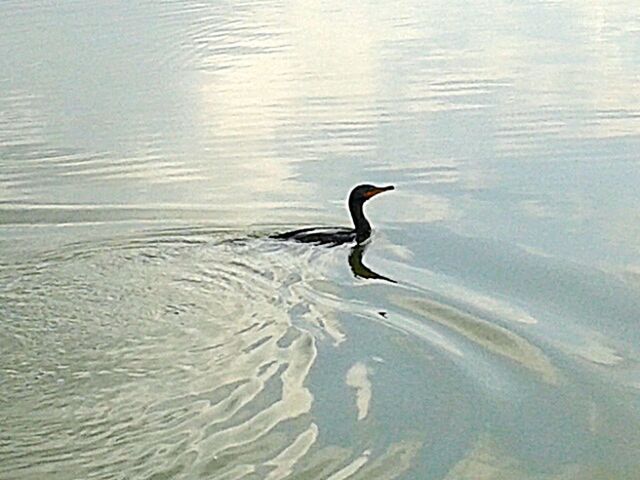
517 120
498 290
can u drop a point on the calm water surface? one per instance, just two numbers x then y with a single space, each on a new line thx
149 329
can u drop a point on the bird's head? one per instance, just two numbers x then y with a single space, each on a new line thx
362 193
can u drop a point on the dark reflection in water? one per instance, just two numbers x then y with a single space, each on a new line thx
359 269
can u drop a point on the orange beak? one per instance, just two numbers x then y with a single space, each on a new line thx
375 191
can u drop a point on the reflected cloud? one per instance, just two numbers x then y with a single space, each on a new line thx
491 336
333 463
486 460
592 346
415 207
285 461
358 379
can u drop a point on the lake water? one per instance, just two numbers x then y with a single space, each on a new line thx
150 329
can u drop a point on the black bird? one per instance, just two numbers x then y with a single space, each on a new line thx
340 235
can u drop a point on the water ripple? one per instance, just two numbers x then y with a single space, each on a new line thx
161 354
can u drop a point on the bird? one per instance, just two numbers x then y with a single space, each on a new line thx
333 236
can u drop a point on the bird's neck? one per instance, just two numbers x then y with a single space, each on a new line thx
363 228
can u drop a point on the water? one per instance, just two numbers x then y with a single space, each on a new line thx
149 327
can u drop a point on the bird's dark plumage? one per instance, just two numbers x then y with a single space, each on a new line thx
340 235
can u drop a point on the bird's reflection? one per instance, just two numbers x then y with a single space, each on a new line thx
359 269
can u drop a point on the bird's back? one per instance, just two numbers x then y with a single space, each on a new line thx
320 235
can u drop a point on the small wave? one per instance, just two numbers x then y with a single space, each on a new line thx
180 350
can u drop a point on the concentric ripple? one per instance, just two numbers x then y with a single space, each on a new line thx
164 354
